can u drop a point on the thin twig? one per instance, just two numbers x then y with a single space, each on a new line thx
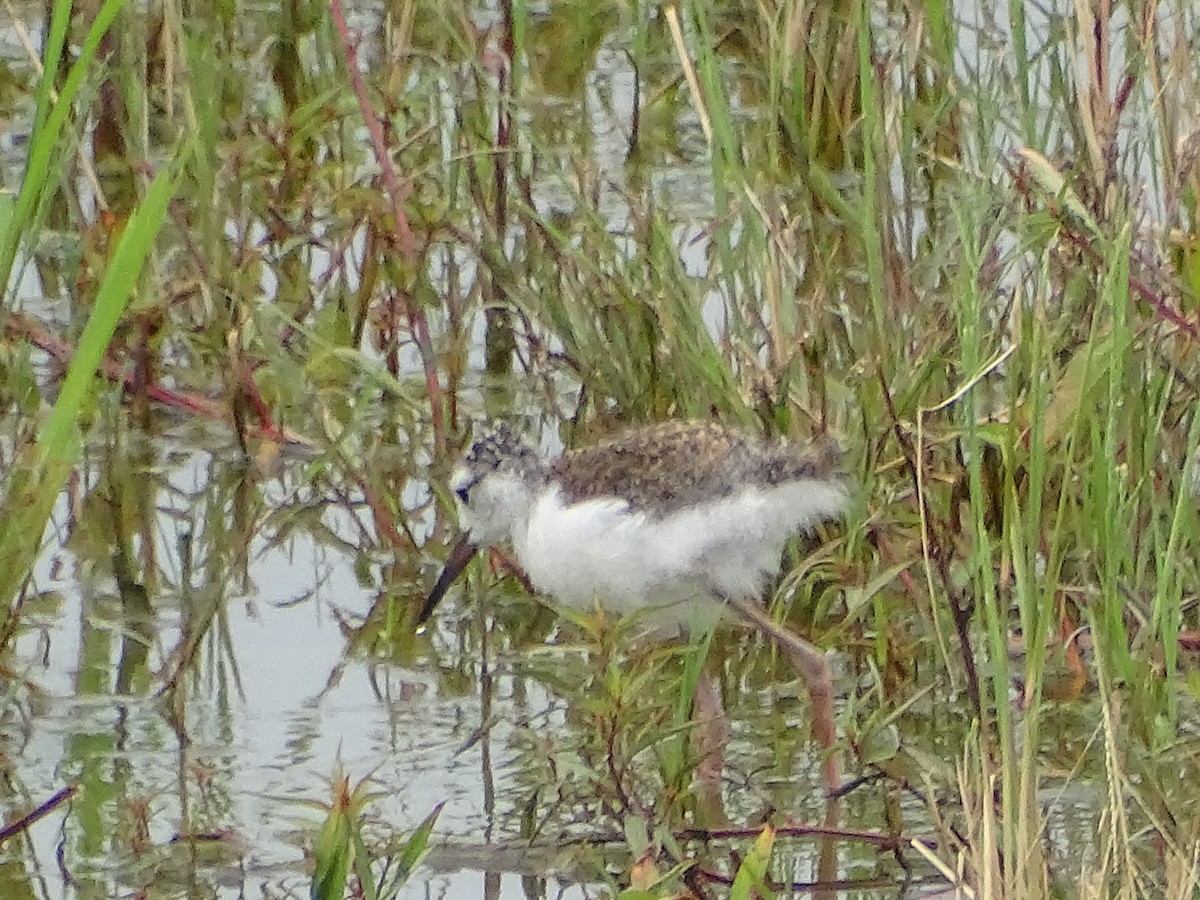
398 194
22 824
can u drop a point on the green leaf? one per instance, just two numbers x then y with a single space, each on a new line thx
750 880
418 845
39 472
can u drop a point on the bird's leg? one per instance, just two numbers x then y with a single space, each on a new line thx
712 736
713 731
814 668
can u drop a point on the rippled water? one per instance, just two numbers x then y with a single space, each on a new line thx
273 697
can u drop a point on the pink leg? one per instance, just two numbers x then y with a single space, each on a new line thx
814 669
712 735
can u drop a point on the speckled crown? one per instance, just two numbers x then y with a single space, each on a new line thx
500 448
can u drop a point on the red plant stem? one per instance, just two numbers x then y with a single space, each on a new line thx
398 193
1073 235
35 332
385 522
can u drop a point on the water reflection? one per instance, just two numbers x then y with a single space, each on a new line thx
211 658
188 687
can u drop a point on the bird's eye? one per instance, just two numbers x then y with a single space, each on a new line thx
463 494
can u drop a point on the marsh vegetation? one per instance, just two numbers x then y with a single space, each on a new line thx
266 266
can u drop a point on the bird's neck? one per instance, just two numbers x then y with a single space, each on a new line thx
502 506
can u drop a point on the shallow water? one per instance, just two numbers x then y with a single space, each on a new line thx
273 700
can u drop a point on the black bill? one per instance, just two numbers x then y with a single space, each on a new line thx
460 555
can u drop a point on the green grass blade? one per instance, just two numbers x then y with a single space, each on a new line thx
45 143
40 472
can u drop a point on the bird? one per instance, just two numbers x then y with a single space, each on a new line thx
682 522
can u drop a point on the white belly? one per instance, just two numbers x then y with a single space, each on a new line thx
678 566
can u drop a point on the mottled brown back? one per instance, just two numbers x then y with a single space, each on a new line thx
662 468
